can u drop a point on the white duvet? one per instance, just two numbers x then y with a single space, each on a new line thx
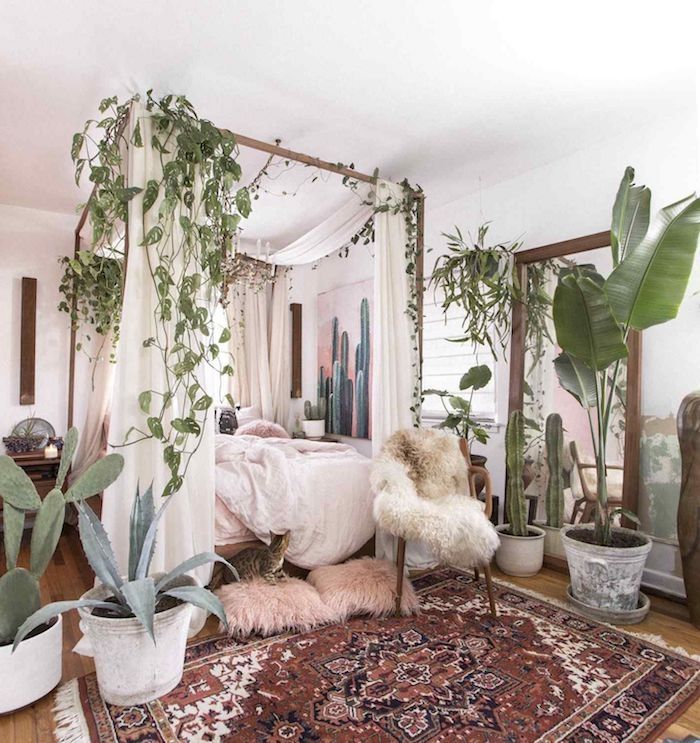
319 491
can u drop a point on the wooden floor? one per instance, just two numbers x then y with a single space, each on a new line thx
69 576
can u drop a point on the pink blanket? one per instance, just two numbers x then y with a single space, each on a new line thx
317 490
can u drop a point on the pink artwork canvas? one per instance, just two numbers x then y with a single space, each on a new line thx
345 358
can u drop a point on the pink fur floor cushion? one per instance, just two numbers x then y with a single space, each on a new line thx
255 606
363 586
264 429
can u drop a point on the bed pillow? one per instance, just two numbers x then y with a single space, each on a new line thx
270 608
364 586
264 429
246 415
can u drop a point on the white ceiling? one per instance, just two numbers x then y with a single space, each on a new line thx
451 94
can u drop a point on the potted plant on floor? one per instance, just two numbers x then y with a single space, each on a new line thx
593 318
554 494
314 425
137 625
32 667
521 551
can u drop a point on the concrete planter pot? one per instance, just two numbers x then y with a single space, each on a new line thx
553 546
33 670
130 668
606 578
314 429
520 556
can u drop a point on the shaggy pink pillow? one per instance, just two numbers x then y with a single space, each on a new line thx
264 429
268 609
363 586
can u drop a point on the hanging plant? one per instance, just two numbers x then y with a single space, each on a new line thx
193 211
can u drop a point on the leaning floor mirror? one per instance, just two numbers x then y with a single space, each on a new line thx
535 389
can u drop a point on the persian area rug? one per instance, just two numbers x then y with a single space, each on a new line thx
538 672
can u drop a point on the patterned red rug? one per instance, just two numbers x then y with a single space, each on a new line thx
537 673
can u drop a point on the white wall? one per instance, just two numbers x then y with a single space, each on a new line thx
31 243
572 197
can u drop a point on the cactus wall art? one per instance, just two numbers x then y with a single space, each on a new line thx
345 358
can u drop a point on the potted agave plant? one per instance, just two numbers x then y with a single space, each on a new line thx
31 667
521 551
593 318
137 625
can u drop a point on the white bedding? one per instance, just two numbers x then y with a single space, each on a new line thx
317 490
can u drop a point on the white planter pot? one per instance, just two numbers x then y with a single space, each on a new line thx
605 577
520 556
32 670
553 546
314 429
130 668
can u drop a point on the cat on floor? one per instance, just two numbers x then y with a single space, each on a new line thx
264 562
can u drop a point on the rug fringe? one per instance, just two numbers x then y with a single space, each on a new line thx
647 636
71 726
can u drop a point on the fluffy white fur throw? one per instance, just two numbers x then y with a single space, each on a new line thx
430 502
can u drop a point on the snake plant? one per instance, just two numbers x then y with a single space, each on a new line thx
138 595
19 586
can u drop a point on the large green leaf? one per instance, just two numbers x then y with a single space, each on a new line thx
576 378
201 597
70 444
142 514
19 598
97 478
648 286
476 378
98 549
13 529
16 486
630 217
190 564
48 525
141 597
585 324
58 607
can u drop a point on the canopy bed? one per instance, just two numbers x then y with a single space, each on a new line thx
117 403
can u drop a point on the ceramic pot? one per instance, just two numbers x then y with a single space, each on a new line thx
520 556
553 545
688 423
33 670
130 668
605 577
314 429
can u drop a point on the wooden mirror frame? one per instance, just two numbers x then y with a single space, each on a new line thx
630 480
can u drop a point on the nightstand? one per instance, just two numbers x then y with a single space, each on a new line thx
43 472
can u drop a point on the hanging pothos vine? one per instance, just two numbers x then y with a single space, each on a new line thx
190 214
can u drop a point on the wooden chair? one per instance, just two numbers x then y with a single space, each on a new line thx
588 477
474 472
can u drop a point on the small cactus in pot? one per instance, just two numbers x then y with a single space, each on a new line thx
554 449
315 424
521 552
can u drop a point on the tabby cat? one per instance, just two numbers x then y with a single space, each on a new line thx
257 562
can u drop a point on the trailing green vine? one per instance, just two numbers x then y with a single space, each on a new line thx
192 210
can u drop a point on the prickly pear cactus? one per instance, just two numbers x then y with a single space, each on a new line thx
19 587
554 450
516 504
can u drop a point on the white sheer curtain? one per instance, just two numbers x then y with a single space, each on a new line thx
239 388
188 523
395 360
95 425
280 349
257 351
328 236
